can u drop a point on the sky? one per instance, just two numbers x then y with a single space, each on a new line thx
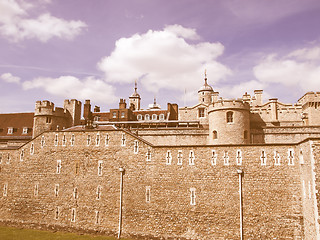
96 49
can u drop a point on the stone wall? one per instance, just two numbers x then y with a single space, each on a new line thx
182 192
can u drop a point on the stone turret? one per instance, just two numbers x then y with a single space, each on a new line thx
205 93
135 99
73 107
229 122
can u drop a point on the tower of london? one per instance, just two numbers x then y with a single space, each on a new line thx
240 168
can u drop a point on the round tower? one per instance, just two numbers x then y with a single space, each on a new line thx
43 117
205 93
229 122
134 99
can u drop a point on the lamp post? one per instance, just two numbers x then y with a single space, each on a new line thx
240 173
121 169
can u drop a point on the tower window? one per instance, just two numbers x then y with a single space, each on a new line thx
201 112
229 117
214 134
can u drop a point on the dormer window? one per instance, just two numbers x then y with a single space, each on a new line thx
230 117
139 117
114 115
161 117
25 130
154 116
10 130
147 117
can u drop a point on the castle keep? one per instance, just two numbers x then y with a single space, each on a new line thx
222 169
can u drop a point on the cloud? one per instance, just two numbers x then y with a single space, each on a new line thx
72 87
8 77
16 25
299 69
164 60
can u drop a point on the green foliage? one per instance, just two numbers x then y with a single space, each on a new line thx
9 233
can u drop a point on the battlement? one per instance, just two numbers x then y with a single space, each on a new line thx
44 108
71 102
223 104
309 97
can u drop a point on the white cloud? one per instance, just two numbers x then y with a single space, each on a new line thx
8 77
72 87
306 53
290 70
164 60
16 25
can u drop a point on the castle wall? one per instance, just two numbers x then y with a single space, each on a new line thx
272 194
175 136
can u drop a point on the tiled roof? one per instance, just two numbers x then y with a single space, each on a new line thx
16 121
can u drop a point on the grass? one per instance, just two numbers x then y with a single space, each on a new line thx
10 233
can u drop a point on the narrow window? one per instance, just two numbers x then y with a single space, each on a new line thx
56 190
22 155
309 183
148 196
114 115
100 168
8 158
276 158
239 157
36 189
0 158
191 158
226 158
5 189
214 158
48 119
64 140
107 139
98 192
192 196
42 141
139 117
201 112
154 117
179 157
161 117
88 140
75 193
123 114
214 134
245 134
73 215
56 140
56 213
31 149
97 217
98 139
290 157
301 160
77 167
263 158
168 158
147 117
58 166
304 189
72 140
230 117
123 140
149 155
135 147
